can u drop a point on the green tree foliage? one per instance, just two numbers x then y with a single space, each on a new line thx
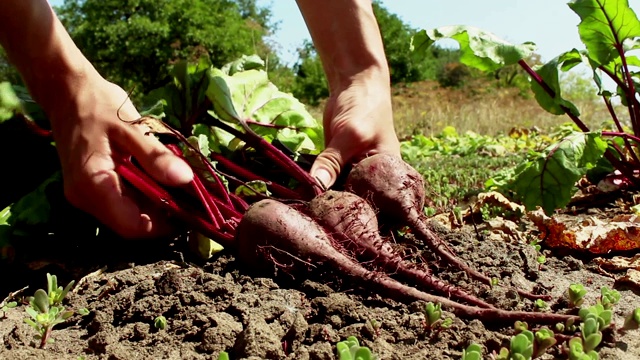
396 36
310 83
133 42
7 71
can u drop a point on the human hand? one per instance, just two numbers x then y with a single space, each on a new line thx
88 129
358 122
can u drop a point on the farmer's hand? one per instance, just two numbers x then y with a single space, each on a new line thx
358 119
83 109
87 131
358 122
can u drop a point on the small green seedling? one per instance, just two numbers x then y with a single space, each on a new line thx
576 294
520 326
522 346
541 259
160 322
6 307
83 311
472 352
526 344
577 351
609 297
376 326
350 349
591 335
44 316
433 317
57 293
544 339
599 313
540 304
632 321
45 309
223 355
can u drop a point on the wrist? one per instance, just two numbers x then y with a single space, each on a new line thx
59 83
373 77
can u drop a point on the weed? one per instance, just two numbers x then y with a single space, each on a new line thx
433 317
540 304
45 309
160 322
576 294
6 307
350 349
472 352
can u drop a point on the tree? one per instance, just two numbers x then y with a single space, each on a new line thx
310 83
396 36
133 42
7 71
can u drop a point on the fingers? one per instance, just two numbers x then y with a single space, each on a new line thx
346 149
327 166
153 156
103 197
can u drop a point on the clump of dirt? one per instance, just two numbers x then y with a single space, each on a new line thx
221 306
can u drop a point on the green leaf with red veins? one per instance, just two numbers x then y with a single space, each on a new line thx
549 179
604 26
479 49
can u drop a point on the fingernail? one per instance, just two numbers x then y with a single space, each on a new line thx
145 224
323 176
179 172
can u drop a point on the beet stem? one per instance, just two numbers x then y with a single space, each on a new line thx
209 206
247 175
277 156
145 184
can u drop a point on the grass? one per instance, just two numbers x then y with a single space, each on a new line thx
452 181
425 108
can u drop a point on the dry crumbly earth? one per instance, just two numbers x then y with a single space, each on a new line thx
220 305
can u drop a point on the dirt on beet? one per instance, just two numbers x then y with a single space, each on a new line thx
221 306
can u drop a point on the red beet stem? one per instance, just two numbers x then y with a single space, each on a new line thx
145 184
281 159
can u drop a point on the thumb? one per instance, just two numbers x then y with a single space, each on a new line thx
327 166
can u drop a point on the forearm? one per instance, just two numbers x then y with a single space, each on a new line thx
347 37
41 49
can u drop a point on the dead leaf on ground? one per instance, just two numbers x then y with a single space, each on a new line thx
631 278
619 263
495 199
505 228
621 233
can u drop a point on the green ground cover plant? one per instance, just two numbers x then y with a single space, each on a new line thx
610 32
46 309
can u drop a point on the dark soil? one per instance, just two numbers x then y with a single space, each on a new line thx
219 305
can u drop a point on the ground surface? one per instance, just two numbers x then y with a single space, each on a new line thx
220 305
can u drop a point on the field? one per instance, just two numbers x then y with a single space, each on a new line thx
221 305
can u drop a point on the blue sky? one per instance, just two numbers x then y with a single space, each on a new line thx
551 24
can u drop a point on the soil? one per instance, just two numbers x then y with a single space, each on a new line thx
220 305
